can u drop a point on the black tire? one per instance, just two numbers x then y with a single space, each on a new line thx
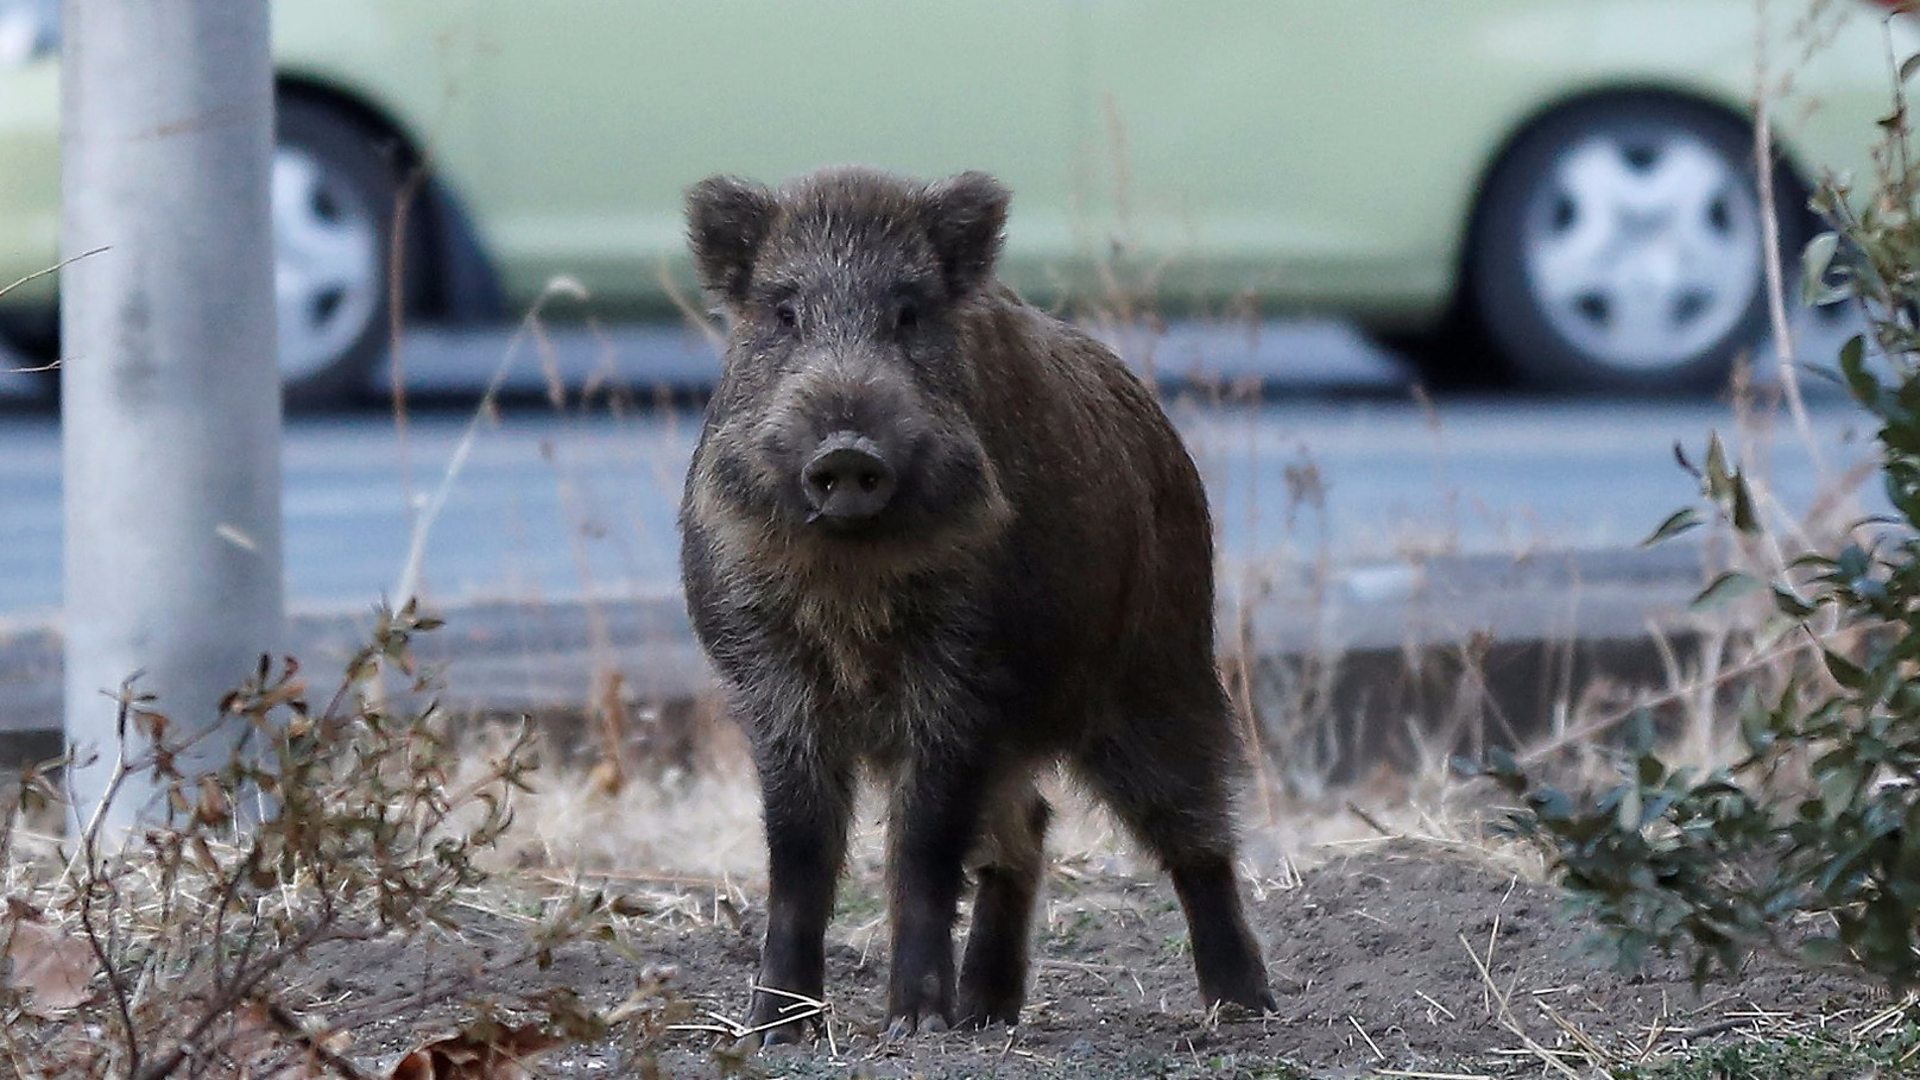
1452 356
32 334
352 155
361 162
1582 346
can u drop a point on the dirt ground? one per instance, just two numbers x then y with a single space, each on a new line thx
1366 953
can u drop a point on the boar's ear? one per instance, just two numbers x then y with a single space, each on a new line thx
727 220
965 216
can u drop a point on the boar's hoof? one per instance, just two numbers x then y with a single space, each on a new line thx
980 1009
901 1027
1257 998
785 1034
768 1033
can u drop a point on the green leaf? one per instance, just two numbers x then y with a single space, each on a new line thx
1788 602
1853 563
1860 381
1628 814
1725 589
1844 671
1553 805
1840 784
1677 522
1755 731
1814 262
1744 518
1717 474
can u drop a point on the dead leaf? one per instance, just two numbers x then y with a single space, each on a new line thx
263 1048
214 808
52 967
484 1051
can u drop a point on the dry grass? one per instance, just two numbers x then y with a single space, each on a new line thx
1570 1051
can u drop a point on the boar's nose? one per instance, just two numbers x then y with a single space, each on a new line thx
847 479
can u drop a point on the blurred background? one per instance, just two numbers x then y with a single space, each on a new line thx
1420 280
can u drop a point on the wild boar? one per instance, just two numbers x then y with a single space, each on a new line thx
934 534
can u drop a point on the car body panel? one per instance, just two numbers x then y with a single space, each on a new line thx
1354 188
756 88
29 183
1295 153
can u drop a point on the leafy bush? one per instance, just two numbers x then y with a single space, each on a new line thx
1809 843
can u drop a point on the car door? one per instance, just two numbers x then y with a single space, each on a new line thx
1297 149
602 113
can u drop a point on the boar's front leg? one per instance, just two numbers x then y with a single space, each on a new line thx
936 814
807 804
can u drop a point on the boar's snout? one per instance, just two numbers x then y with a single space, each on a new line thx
847 480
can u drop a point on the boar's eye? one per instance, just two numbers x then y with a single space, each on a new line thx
784 314
906 316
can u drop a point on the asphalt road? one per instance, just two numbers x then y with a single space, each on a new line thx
1341 460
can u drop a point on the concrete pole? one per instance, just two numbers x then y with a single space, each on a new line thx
170 409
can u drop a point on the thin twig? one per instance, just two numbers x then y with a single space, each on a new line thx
1507 1019
245 986
1448 1013
1371 1045
1581 734
94 881
407 588
1371 821
403 203
1765 170
54 269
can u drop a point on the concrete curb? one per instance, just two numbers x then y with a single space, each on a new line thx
1457 647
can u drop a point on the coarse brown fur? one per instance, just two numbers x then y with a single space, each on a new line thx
1038 587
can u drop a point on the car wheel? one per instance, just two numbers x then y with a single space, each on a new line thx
32 334
1618 247
334 195
333 198
1451 356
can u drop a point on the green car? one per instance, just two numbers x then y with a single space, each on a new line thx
1569 181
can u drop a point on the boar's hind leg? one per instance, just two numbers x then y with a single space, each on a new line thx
807 807
1169 786
935 818
993 974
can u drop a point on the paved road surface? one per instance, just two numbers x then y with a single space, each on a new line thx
555 506
550 506
563 504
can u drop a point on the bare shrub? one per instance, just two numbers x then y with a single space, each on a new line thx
173 951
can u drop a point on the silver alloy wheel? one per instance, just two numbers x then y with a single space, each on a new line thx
326 263
1643 249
